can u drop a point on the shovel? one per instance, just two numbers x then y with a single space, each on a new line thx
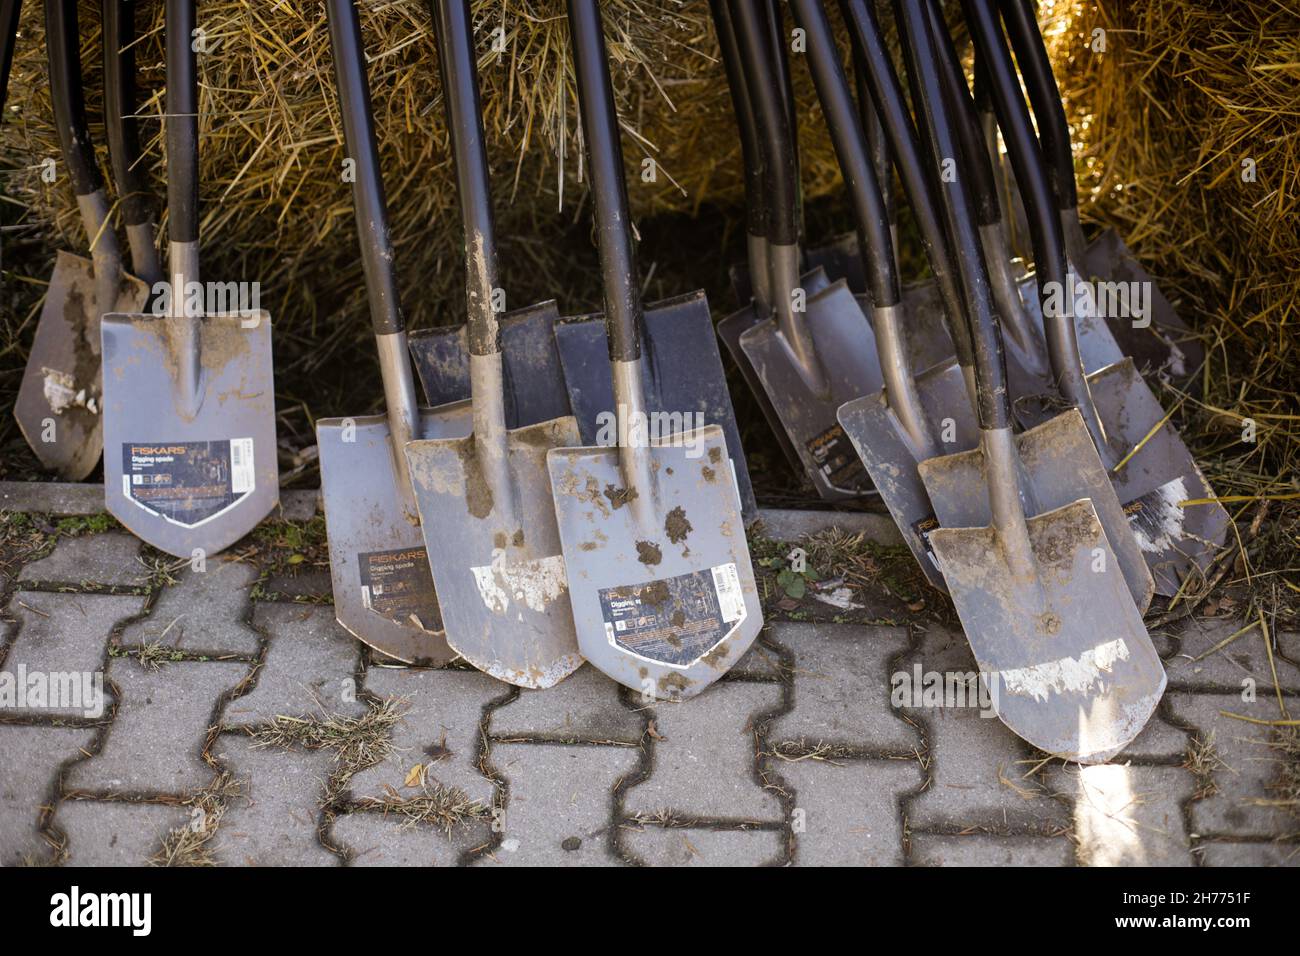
485 500
10 13
1048 615
189 397
1151 468
60 397
383 588
663 592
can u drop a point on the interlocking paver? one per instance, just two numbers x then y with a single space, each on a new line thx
29 760
841 688
1128 815
157 736
274 820
1159 740
683 846
204 611
978 849
1250 854
559 806
379 840
1245 764
704 757
111 559
439 729
584 706
310 668
104 833
64 635
847 814
757 663
1245 657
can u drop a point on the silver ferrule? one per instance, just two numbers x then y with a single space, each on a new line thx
1076 244
1002 474
104 253
183 260
403 409
491 448
145 261
783 264
900 385
1016 323
759 280
633 450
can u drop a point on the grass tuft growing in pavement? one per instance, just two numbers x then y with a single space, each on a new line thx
357 742
436 805
189 844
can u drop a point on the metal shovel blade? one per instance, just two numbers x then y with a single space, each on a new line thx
383 590
846 350
1068 663
683 378
1059 465
534 382
664 603
498 567
189 472
60 399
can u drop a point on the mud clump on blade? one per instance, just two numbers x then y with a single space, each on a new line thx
655 593
648 553
618 497
676 525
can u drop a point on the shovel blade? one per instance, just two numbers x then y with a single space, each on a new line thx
663 592
1063 651
497 565
189 473
534 381
845 349
60 398
383 590
683 376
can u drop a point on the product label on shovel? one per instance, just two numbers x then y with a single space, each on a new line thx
188 483
674 621
398 585
838 461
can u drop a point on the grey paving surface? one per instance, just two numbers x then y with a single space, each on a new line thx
803 755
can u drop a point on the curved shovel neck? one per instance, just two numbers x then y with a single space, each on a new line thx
186 322
1002 474
788 304
487 385
634 459
104 253
900 385
403 410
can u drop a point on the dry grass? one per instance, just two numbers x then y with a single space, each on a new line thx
435 805
188 845
357 742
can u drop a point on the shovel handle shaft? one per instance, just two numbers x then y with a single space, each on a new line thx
454 31
367 185
623 315
182 123
119 110
877 141
751 150
10 10
64 49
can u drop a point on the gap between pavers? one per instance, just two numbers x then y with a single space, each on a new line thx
981 850
1128 815
376 839
105 833
585 706
111 559
694 846
1245 657
1250 854
204 612
30 757
848 813
70 499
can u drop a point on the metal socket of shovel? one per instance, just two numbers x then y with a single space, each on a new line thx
189 396
1048 614
485 500
660 580
383 588
60 400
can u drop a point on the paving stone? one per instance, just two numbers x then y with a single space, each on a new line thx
1128 815
379 840
440 730
586 705
300 504
559 806
1250 854
841 688
977 849
1247 763
111 559
310 668
1228 667
52 497
65 635
161 724
310 583
103 833
847 814
677 846
204 611
704 757
29 760
273 821
1159 740
757 663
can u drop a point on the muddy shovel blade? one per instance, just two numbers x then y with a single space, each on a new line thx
667 603
383 590
189 472
684 375
498 566
60 399
534 382
1068 662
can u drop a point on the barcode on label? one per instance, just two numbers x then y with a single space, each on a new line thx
731 603
241 465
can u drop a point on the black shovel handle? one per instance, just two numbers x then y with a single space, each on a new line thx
119 111
882 160
750 149
781 64
623 315
850 141
368 187
64 50
767 98
10 10
182 123
1036 69
932 106
454 32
